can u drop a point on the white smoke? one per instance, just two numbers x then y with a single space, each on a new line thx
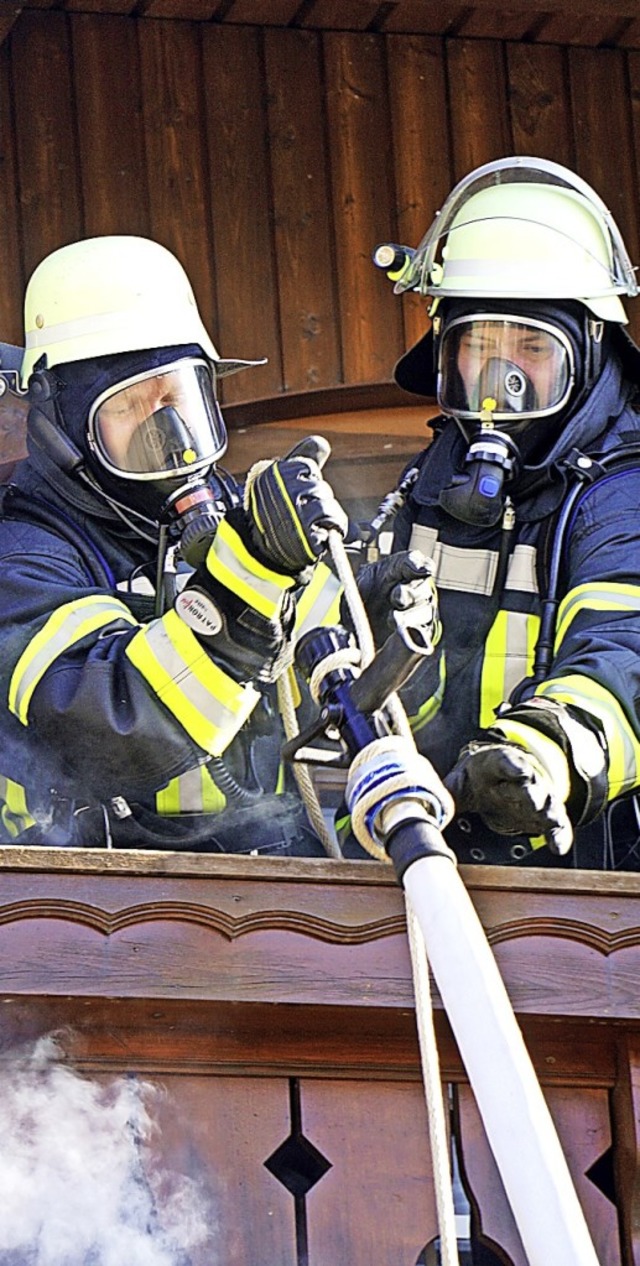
78 1186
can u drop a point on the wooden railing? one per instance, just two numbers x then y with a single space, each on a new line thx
253 989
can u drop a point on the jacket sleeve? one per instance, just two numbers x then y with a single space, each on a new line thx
129 703
595 671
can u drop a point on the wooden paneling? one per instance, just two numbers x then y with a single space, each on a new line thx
108 95
362 198
302 226
273 158
47 176
247 317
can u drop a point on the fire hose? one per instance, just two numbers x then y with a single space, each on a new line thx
399 809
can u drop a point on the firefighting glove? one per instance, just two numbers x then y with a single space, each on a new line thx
538 771
241 609
398 587
291 507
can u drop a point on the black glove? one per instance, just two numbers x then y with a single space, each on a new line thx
291 507
240 609
398 583
512 791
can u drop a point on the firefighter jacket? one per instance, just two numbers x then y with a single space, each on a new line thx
116 727
491 585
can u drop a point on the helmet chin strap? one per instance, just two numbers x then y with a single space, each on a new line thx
477 496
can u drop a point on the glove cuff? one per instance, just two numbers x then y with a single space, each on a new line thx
569 748
233 564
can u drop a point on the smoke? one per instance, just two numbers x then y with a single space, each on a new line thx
77 1183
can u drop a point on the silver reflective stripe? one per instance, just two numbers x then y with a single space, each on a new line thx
474 570
210 705
67 626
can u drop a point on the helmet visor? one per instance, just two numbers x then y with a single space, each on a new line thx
159 424
514 368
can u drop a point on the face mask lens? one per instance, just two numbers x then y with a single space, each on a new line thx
159 424
515 369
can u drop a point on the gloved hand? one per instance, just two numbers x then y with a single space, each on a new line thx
513 791
398 587
240 609
291 507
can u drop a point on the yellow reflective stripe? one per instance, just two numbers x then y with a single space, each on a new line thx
191 792
431 706
232 565
605 596
280 781
293 514
14 813
622 745
319 603
68 625
548 754
209 704
508 657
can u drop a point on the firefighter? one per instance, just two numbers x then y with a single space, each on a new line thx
528 503
146 612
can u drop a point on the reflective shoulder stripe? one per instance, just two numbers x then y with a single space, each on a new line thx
508 657
622 745
604 596
474 570
14 812
192 792
206 702
68 625
319 603
231 563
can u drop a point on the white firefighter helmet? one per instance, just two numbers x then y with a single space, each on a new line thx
524 228
112 294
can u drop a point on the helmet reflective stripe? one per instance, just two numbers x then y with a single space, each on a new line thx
529 229
107 295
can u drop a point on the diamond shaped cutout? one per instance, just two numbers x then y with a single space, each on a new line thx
297 1164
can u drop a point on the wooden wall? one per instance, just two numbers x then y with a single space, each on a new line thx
273 160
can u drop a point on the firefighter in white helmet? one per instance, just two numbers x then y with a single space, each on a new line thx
528 503
146 613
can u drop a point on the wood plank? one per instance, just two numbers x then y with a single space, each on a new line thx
176 161
428 17
479 116
335 15
261 12
220 1131
13 280
604 143
420 126
497 24
301 194
539 104
376 1203
47 169
181 10
363 203
241 232
626 1128
104 7
108 98
575 27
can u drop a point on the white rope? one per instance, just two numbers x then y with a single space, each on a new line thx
301 773
438 1133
